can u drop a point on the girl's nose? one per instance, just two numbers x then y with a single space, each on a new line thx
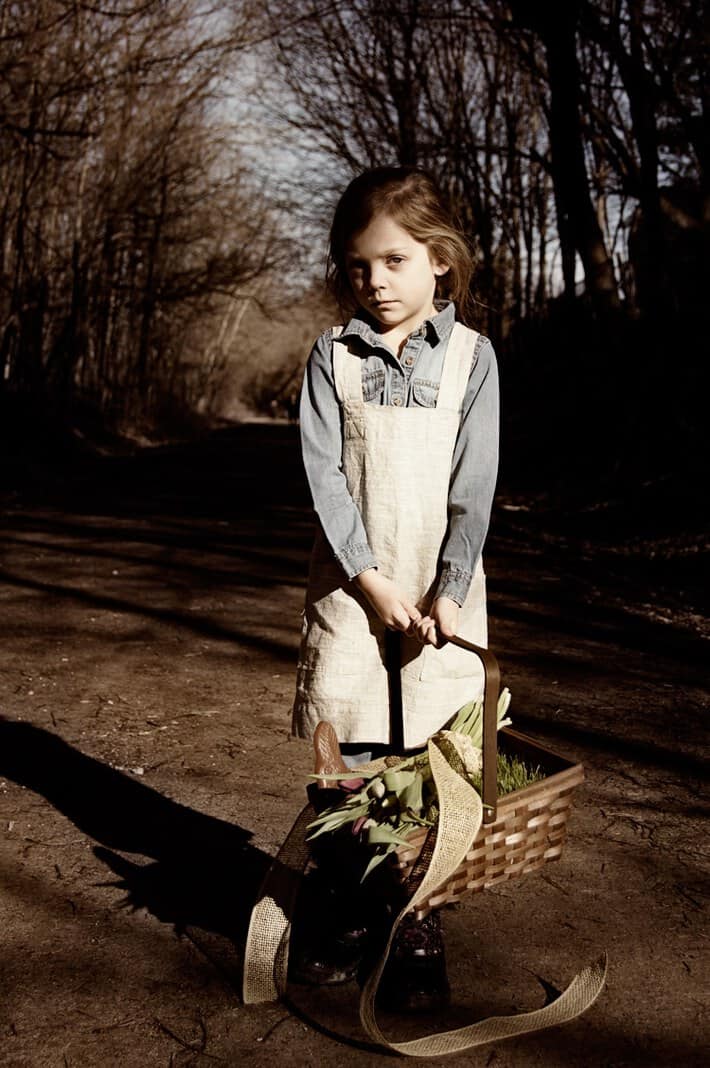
377 280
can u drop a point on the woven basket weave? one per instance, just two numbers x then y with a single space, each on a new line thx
529 828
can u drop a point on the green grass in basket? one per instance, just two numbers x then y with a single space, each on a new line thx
511 774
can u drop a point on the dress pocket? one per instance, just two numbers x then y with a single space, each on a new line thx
425 392
447 663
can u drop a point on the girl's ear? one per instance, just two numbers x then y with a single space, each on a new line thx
440 269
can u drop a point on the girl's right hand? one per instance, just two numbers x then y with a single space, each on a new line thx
395 611
442 624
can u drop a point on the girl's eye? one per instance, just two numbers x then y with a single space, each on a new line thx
396 259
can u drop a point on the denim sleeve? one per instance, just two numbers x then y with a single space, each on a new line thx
322 449
473 478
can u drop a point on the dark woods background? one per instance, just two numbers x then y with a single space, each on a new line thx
166 167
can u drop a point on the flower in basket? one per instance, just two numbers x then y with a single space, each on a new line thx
394 803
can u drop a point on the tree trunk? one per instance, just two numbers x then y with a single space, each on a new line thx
642 96
577 221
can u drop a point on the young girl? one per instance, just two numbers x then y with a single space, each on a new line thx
399 432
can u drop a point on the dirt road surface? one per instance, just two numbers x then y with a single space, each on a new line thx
150 617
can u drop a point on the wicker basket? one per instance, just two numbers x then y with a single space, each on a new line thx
529 828
522 830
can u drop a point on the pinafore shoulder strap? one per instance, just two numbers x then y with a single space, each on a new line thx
458 361
347 372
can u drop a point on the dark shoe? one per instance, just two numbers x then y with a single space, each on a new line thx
415 978
329 961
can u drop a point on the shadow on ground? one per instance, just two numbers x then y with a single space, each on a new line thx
203 873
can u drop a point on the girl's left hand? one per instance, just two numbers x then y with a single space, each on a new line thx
440 625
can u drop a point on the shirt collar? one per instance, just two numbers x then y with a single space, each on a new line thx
437 328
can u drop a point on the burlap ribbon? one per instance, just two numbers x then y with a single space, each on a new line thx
460 814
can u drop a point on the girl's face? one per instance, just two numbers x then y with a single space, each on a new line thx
393 277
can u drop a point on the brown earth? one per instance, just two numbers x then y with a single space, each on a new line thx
150 624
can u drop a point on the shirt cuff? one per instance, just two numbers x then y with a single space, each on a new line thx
454 583
356 558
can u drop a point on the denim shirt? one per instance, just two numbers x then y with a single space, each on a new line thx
410 380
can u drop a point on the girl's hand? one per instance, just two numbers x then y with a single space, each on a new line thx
395 611
442 624
445 614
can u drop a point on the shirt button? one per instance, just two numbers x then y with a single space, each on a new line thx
397 401
409 361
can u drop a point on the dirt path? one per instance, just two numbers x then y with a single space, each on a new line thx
150 614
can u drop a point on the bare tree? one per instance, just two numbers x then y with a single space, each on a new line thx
128 222
646 123
409 81
551 126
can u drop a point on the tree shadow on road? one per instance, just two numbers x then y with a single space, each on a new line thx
204 871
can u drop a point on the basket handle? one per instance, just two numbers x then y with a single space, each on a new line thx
491 690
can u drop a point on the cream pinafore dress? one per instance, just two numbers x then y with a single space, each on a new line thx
397 464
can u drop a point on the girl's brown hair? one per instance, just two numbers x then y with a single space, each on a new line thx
410 197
